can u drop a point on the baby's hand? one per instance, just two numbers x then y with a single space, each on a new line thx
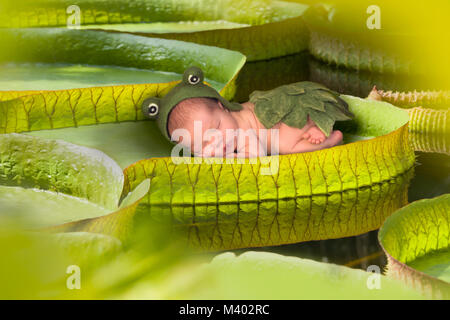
252 148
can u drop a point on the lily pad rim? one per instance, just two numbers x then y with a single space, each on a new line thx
56 228
401 127
415 272
155 34
239 59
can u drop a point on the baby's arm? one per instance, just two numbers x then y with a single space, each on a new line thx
248 145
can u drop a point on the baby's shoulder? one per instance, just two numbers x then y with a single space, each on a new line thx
248 113
247 107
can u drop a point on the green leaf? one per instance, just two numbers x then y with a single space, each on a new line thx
74 188
119 223
266 113
295 102
47 76
375 119
48 13
110 272
42 45
311 102
416 242
438 99
344 34
429 127
297 117
360 82
41 208
83 248
125 142
249 224
263 275
40 262
61 167
240 25
161 28
337 113
323 121
430 142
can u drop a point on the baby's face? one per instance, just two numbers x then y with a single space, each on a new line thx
209 127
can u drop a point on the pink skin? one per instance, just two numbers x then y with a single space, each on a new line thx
314 135
213 118
291 140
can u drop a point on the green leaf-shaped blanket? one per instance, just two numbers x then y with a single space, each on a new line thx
293 103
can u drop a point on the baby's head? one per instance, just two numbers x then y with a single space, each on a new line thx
208 112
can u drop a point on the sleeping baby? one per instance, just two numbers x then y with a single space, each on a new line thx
289 119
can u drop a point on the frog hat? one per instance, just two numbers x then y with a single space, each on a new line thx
191 86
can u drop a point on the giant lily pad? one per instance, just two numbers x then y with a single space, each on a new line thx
431 142
165 273
245 26
361 82
45 183
39 261
344 33
34 109
291 278
429 113
247 224
416 242
263 275
430 130
430 99
232 205
346 167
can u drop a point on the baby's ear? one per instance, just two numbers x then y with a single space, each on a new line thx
221 106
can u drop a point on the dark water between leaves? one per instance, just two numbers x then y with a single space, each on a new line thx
431 173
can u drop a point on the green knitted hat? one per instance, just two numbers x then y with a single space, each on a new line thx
191 86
